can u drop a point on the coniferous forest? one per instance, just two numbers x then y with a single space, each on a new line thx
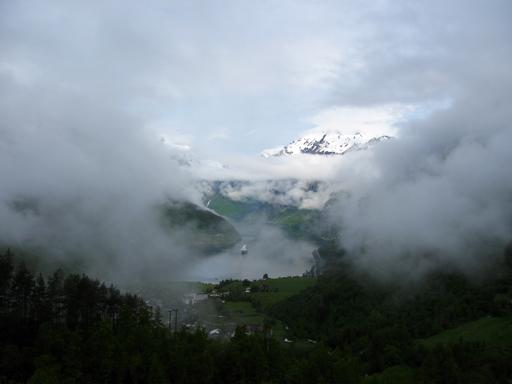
70 328
255 192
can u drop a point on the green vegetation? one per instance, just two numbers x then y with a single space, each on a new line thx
276 290
493 331
266 292
398 374
290 285
235 210
72 329
344 326
297 223
205 231
251 308
243 313
449 328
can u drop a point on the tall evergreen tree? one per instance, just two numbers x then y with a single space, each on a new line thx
40 300
6 269
55 292
22 290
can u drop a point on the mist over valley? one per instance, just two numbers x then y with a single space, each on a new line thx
255 192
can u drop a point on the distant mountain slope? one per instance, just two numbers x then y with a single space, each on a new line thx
206 231
232 209
189 225
298 223
326 143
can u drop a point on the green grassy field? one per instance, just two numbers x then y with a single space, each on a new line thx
493 331
280 289
252 311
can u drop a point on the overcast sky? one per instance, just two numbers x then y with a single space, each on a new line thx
89 88
240 76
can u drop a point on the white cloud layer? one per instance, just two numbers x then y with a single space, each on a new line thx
88 88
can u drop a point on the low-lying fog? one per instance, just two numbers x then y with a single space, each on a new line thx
269 251
87 90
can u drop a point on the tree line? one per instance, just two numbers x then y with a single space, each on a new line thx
70 328
382 323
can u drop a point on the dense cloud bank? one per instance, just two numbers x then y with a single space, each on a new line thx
300 193
442 193
87 90
82 178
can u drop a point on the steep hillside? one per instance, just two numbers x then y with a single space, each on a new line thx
206 231
297 223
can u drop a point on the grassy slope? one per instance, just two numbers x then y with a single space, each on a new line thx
300 223
493 331
297 223
232 209
210 232
296 217
197 228
281 289
244 312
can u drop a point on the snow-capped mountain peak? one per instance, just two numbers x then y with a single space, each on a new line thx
326 143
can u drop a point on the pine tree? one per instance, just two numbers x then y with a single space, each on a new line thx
55 292
40 300
157 316
22 290
6 269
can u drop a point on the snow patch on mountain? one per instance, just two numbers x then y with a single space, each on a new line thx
326 143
